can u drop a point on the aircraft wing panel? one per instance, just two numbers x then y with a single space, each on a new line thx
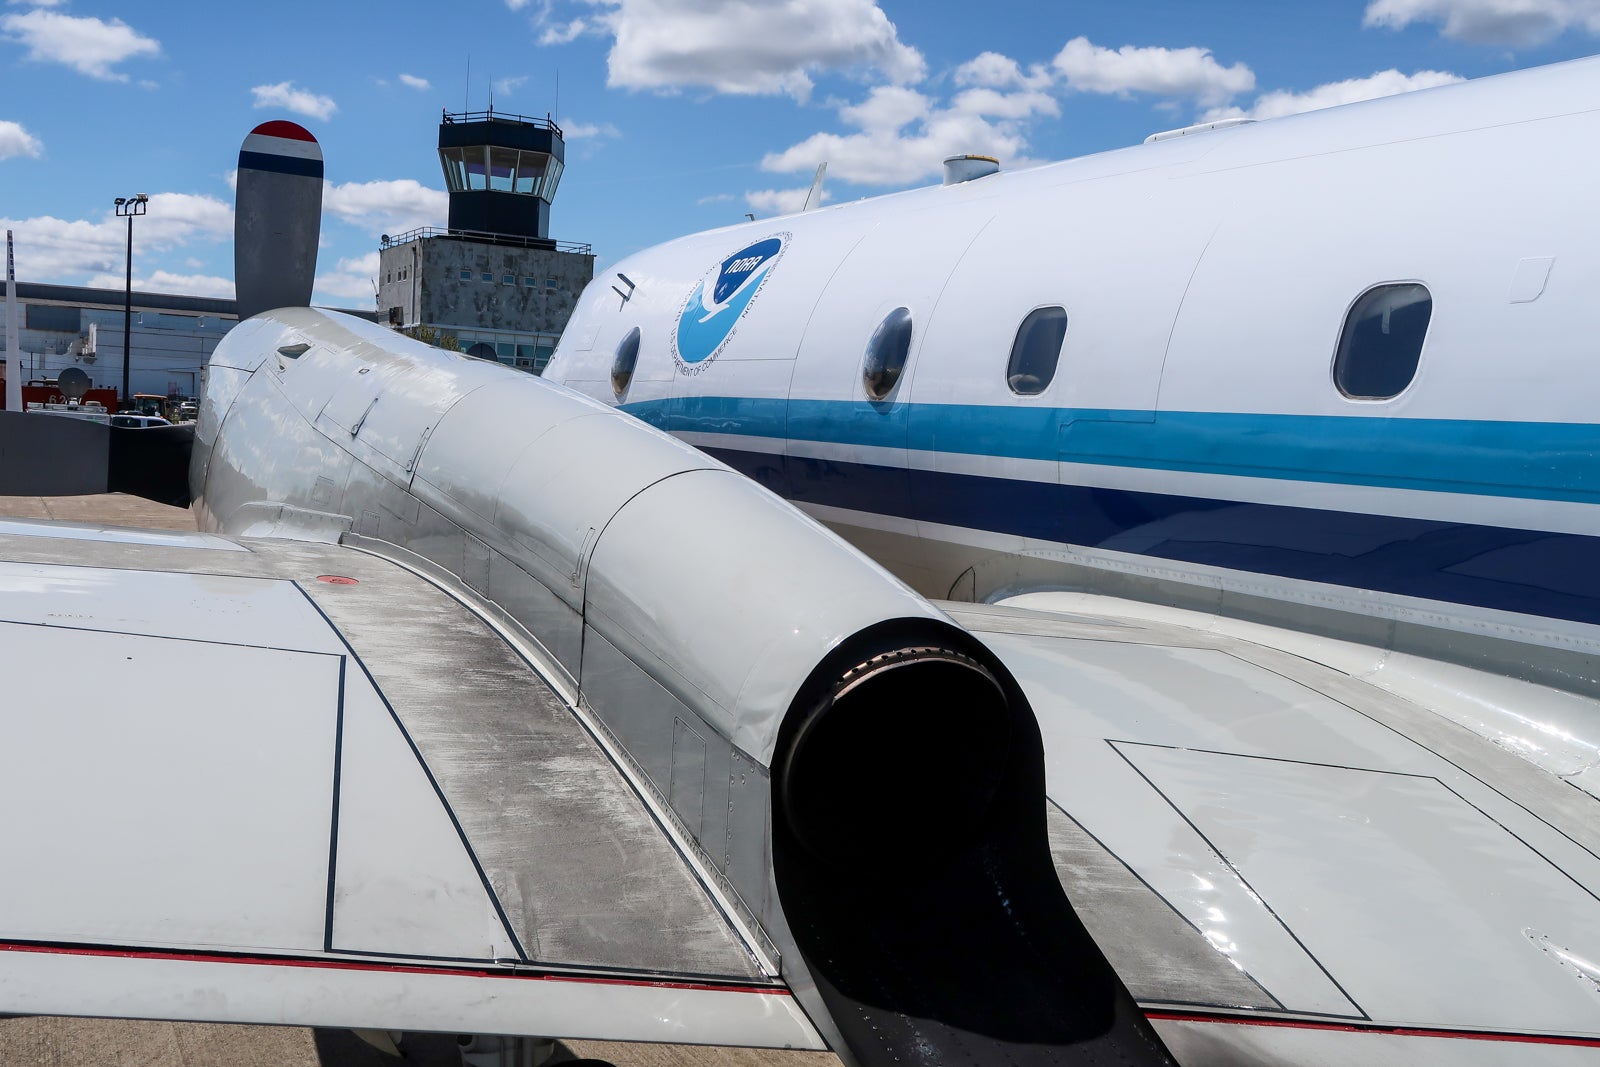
393 996
267 781
1331 849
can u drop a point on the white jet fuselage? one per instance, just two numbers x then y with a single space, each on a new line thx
1194 422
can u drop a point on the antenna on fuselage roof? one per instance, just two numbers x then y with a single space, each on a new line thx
814 197
1199 127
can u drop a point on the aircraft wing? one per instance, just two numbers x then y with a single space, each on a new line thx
279 782
1306 848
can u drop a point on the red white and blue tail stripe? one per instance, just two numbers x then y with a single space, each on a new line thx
282 147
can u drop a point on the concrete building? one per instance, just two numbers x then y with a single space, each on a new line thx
494 281
64 326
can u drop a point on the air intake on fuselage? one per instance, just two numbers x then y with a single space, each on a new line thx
958 169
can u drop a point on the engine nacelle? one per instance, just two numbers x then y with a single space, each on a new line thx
851 763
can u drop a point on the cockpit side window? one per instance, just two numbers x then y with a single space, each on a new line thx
622 366
1382 341
1036 351
886 354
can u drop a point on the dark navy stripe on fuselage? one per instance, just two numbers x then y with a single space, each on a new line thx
276 164
1528 571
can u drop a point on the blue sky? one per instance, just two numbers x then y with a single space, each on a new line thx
680 114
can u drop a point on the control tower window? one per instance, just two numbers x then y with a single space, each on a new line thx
505 170
622 366
1036 351
531 171
1382 341
455 168
886 354
538 173
502 169
465 168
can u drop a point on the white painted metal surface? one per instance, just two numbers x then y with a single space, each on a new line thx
161 816
1229 1043
404 882
1315 832
396 997
117 534
1355 859
281 855
718 648
218 609
1207 274
1553 729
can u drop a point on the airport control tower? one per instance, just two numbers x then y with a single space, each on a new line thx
493 280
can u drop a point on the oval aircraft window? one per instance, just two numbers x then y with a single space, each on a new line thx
622 366
886 354
1036 351
1382 341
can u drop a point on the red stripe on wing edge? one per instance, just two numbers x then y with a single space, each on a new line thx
449 970
1377 1028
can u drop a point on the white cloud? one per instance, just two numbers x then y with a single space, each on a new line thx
566 32
391 207
16 141
351 280
994 103
578 131
66 250
1508 23
781 201
1170 72
991 70
88 45
175 218
1384 83
414 82
747 47
162 281
716 198
300 101
887 108
905 136
507 86
75 251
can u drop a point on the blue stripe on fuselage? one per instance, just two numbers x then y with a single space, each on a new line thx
1529 460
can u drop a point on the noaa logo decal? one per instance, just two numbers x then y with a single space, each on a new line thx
709 317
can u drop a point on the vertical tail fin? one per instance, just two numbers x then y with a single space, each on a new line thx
277 218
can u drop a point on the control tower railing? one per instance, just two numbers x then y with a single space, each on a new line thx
582 248
491 115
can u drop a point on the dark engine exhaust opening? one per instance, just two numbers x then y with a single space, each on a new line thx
872 774
912 862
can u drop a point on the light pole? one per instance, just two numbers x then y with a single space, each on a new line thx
128 207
